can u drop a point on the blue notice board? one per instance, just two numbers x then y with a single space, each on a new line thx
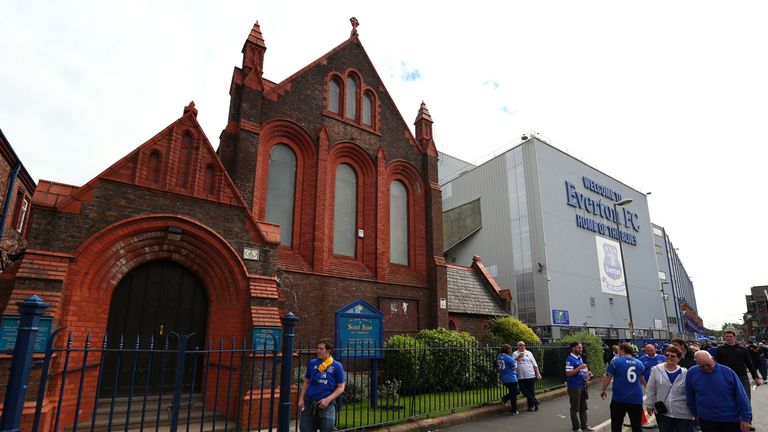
9 330
560 317
359 331
267 339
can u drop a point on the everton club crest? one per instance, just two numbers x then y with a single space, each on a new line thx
611 271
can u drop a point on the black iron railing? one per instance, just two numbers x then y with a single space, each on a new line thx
226 385
235 385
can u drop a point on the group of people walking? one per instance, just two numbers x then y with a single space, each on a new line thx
709 389
685 390
519 372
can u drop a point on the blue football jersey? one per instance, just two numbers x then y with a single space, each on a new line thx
507 368
626 372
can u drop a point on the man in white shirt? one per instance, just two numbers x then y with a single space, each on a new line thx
527 374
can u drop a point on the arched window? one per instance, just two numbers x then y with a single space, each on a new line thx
368 109
334 96
345 211
350 105
398 223
280 190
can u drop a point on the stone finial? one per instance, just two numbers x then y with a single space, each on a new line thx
190 108
354 23
255 37
423 113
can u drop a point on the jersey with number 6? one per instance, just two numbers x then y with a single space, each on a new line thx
626 373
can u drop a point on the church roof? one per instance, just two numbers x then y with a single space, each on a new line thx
468 294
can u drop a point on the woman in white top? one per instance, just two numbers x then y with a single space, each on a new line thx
667 384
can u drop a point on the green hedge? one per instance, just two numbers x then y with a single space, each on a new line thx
404 360
439 360
511 330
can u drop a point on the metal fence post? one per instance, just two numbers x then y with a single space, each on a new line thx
284 408
180 360
31 309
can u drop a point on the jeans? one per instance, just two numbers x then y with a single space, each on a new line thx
511 395
763 370
324 420
711 426
747 386
620 409
671 424
578 399
528 389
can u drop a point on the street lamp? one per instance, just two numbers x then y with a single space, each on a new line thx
624 202
664 298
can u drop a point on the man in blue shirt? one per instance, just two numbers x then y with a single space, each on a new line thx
323 383
626 372
651 359
716 397
575 372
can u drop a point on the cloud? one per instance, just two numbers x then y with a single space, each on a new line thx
409 73
505 109
491 83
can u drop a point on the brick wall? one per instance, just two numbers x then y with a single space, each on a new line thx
476 325
320 296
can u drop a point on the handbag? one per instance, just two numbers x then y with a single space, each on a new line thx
659 406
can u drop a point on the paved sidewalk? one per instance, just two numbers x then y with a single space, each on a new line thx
760 408
553 416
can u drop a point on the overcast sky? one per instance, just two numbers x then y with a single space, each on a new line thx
668 97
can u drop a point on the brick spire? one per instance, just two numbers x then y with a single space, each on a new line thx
255 37
424 113
423 125
253 58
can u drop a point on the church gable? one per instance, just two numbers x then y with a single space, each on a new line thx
320 94
180 160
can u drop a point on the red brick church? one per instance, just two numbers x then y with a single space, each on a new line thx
318 195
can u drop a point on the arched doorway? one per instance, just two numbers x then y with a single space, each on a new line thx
151 303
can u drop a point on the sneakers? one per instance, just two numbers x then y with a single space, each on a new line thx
588 429
515 412
536 407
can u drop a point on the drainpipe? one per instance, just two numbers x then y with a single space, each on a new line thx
9 197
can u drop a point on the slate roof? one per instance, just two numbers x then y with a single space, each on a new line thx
468 294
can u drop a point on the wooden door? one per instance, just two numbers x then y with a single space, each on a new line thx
151 303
